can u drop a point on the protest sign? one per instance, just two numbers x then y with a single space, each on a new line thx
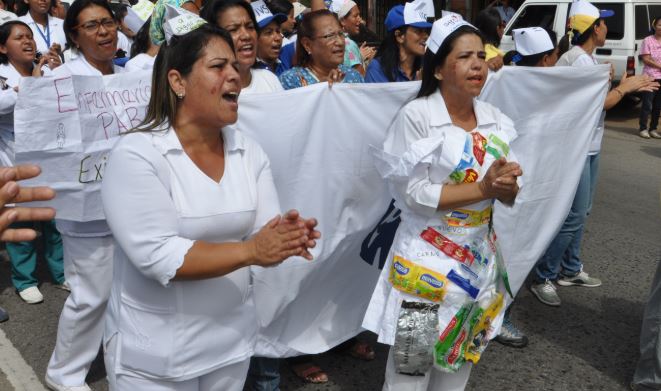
68 126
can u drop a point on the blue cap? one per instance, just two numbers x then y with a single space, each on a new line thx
395 19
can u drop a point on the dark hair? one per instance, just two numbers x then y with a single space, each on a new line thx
141 40
5 32
71 21
388 55
180 54
22 8
533 59
488 21
563 45
120 12
306 29
212 9
431 61
280 6
654 22
11 5
581 38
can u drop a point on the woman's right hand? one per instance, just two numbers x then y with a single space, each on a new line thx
500 179
278 240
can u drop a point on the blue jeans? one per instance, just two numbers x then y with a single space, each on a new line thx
562 255
651 106
264 374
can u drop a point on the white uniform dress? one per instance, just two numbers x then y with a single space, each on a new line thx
45 37
180 335
88 252
422 152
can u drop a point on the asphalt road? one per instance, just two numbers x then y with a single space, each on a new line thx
588 343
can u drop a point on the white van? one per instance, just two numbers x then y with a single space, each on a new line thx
626 29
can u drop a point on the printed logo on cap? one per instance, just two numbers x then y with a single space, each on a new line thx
261 10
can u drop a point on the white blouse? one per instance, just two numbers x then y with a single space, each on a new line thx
157 203
263 81
142 61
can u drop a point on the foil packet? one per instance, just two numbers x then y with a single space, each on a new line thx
417 331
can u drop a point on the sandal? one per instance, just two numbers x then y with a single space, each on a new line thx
310 373
362 351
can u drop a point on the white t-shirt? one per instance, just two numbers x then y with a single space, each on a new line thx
142 61
46 37
577 57
262 81
158 203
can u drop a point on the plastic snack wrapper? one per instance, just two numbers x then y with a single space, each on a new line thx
417 329
467 334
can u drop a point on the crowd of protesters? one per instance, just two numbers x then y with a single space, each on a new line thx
190 204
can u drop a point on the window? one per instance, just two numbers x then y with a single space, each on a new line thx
642 22
655 12
541 15
615 23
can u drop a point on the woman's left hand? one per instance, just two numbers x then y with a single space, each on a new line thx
367 52
335 76
293 217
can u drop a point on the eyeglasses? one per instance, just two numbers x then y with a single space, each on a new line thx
93 26
328 38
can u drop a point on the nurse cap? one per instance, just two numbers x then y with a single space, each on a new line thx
411 14
138 14
178 22
532 40
442 28
264 15
342 7
583 14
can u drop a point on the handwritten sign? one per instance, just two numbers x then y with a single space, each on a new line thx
68 126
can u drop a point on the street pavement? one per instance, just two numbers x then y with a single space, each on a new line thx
588 343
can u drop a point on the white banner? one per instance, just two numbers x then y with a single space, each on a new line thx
554 112
317 140
68 126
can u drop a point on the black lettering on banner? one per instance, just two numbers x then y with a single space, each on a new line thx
379 240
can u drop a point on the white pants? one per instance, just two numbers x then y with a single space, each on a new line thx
434 380
228 378
88 264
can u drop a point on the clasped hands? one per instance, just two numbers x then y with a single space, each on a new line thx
500 180
283 237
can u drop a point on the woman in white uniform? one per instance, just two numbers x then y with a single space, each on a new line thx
192 204
88 247
18 52
441 296
238 18
48 30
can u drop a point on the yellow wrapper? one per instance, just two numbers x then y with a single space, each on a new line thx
411 278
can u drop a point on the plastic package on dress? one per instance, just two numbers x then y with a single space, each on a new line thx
417 329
